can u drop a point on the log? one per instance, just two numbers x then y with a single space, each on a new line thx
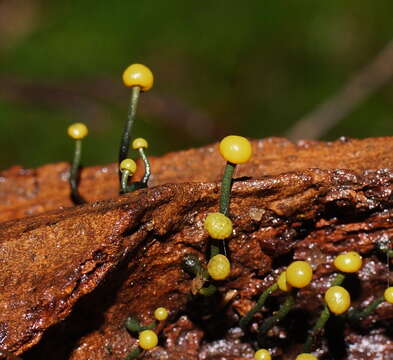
73 274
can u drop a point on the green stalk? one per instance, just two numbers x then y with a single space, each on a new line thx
279 315
76 198
323 318
357 315
226 188
319 325
244 321
214 250
124 181
133 354
338 280
126 137
146 161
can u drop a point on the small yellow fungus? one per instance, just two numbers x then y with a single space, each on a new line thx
235 149
219 267
129 165
282 282
148 339
337 299
348 262
77 131
388 295
299 274
306 356
161 313
262 354
218 226
138 75
139 143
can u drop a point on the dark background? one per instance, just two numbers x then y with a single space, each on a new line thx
253 68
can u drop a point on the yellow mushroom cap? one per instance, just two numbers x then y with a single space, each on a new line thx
306 356
129 165
388 295
282 282
235 149
77 131
262 354
139 143
337 299
219 267
161 313
348 262
148 339
138 75
299 274
218 226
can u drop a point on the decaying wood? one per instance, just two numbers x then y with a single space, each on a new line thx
72 276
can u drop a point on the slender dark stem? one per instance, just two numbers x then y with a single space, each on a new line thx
74 172
279 315
135 186
146 161
319 325
225 198
258 306
325 314
133 354
124 180
357 315
214 250
226 188
126 137
338 280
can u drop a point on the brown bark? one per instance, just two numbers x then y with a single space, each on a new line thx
101 262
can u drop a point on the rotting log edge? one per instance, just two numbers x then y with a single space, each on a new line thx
299 197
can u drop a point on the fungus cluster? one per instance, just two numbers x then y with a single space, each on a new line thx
218 225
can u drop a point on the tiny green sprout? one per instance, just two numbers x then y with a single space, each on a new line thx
76 131
139 78
141 144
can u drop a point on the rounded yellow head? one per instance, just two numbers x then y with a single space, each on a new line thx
138 75
235 149
129 165
77 131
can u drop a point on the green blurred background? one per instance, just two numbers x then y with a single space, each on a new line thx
248 67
